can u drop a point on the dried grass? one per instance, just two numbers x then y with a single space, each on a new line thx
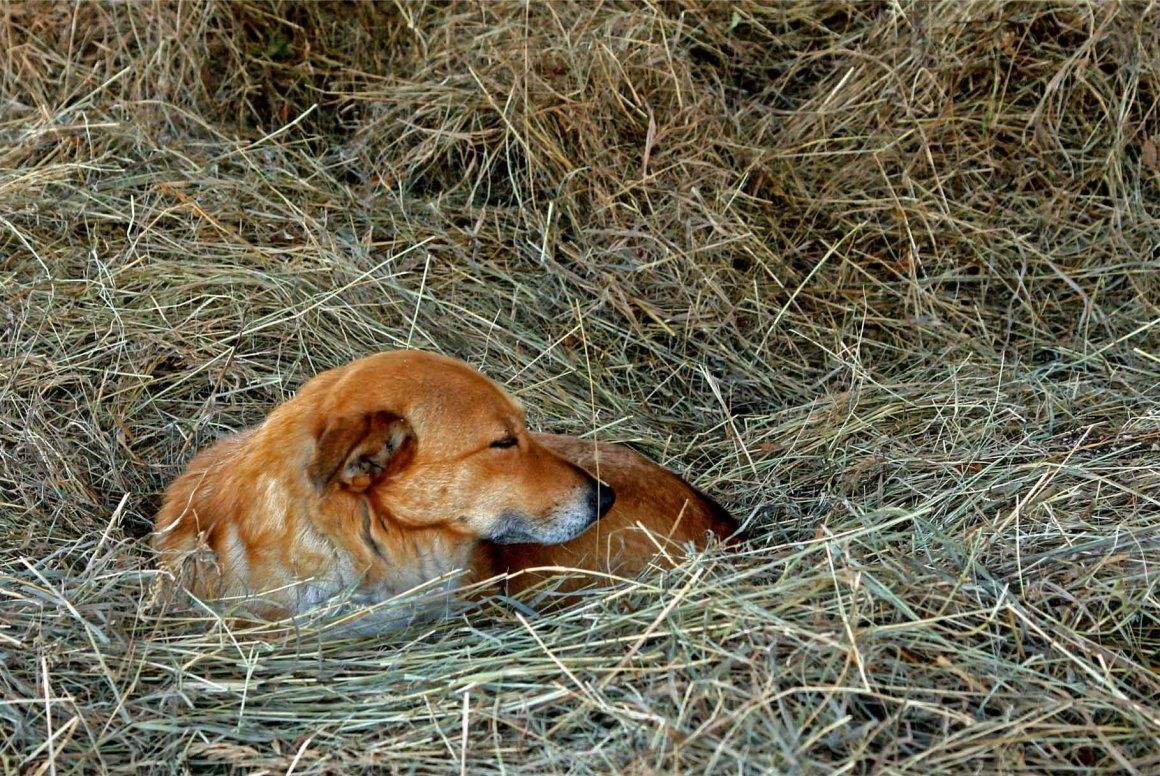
884 277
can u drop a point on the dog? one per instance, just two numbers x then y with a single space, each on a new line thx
400 469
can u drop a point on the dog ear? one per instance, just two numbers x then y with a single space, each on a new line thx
359 450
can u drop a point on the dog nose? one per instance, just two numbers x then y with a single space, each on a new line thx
606 497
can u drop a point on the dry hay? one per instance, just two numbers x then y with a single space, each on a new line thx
884 277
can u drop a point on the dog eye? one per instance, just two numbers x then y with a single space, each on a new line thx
507 441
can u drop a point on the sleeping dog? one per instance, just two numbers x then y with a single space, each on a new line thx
399 469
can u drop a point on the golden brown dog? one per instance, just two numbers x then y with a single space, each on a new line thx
399 469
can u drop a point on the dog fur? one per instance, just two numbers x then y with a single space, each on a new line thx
399 469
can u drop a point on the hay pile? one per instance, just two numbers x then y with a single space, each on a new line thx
883 277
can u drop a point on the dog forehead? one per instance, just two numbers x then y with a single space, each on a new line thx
431 390
461 403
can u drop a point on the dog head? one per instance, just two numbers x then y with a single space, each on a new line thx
433 443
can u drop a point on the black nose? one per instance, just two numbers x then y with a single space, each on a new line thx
605 498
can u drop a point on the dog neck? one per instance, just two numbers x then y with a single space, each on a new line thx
408 557
373 558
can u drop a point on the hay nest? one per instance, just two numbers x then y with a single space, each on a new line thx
883 277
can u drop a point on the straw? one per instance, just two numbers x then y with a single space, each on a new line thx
883 278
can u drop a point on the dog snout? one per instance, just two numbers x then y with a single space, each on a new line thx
602 498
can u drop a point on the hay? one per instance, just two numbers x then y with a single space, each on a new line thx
882 277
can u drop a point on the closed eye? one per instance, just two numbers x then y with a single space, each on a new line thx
507 441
